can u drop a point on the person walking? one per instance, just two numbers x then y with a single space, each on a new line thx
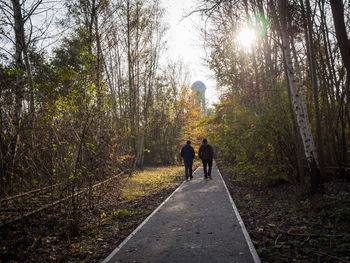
206 153
187 152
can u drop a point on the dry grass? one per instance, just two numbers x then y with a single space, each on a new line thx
119 208
150 181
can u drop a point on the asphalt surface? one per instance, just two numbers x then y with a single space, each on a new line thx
197 223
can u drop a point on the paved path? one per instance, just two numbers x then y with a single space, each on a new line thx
197 223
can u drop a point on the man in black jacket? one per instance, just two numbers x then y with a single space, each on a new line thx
206 153
187 153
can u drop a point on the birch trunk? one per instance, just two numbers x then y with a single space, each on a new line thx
30 77
303 124
298 145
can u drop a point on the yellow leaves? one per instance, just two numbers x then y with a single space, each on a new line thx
192 116
125 157
103 216
248 196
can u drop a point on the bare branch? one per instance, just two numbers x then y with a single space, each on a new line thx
6 51
32 10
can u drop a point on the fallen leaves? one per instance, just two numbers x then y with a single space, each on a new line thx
49 236
74 248
284 228
293 230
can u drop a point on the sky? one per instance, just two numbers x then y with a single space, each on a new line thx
184 43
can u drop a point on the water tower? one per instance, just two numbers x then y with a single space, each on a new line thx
199 88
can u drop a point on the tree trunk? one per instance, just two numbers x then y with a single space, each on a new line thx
344 46
140 151
131 80
299 149
19 93
312 65
303 124
342 37
30 77
98 62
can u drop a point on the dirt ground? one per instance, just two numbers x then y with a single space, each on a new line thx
285 227
50 237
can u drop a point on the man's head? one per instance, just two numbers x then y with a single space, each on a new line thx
188 142
205 141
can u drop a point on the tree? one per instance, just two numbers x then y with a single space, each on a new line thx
342 37
314 75
308 27
303 124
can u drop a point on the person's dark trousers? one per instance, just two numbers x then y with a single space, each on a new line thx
208 163
188 169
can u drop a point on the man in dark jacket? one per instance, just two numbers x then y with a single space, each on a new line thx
206 153
187 153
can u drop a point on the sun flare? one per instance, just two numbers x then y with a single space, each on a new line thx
246 37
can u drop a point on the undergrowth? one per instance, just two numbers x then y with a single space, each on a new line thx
118 210
288 227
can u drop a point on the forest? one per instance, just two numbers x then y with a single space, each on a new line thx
87 103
